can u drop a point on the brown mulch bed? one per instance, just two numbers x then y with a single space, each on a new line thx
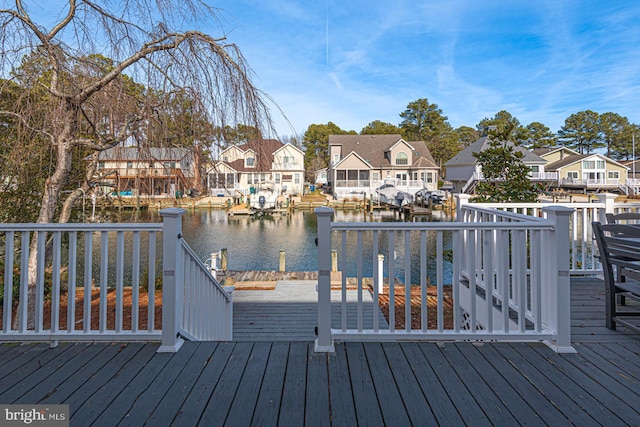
432 307
143 312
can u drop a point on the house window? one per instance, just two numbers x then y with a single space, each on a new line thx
363 175
129 165
593 164
402 159
277 178
535 168
336 159
613 175
572 175
429 177
376 176
250 161
297 178
262 178
225 159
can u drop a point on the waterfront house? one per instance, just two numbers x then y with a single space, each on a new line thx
153 171
244 168
464 172
361 163
586 172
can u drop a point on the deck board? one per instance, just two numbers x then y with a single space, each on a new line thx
570 380
191 410
417 407
169 406
147 401
292 405
317 390
513 388
249 389
491 402
389 399
364 394
267 406
224 393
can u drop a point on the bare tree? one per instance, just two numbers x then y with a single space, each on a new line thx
143 38
73 70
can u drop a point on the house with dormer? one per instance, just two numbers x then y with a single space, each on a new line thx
243 169
361 163
585 172
464 172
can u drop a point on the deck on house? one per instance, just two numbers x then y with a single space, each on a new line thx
283 382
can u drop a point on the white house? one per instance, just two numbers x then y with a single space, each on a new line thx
241 169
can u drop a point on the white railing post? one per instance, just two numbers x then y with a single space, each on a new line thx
172 280
558 288
324 343
380 276
214 264
608 200
461 200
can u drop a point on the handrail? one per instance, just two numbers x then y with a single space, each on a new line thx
207 272
509 279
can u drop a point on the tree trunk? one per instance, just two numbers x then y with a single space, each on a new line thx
51 195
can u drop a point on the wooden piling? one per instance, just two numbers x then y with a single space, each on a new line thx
224 259
282 261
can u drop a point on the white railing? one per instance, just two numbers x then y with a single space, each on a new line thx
520 261
543 176
208 308
582 250
79 290
91 282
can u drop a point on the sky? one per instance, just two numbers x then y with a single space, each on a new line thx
355 61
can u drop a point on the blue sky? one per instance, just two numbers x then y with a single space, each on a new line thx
355 61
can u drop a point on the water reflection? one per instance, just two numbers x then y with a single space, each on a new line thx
255 244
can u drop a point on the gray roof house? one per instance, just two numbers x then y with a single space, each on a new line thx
464 172
361 163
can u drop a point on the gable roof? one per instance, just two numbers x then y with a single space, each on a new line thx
577 158
544 151
264 149
372 149
353 154
466 157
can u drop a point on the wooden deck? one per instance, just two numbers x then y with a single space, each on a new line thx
283 382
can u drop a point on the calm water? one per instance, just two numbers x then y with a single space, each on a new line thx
255 244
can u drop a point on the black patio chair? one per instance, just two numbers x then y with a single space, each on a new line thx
619 246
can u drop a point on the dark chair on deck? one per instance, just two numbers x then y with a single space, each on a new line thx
624 218
619 246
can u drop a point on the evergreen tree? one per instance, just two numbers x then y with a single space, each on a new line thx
506 178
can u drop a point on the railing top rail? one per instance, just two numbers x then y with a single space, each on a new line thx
82 227
537 205
501 213
539 224
193 255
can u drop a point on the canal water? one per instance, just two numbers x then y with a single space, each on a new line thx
255 243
